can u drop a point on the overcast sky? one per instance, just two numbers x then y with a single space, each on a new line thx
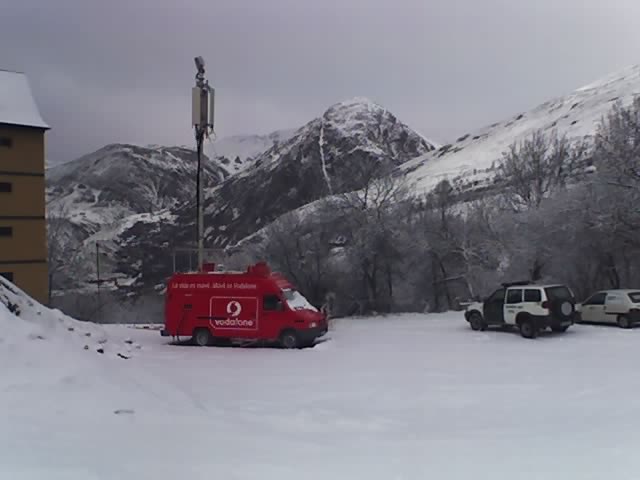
122 70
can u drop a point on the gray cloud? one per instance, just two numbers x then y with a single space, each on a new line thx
121 71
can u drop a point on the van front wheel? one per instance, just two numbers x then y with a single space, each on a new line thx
289 339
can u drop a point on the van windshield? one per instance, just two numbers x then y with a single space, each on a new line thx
635 297
296 301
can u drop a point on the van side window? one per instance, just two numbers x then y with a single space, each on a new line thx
271 303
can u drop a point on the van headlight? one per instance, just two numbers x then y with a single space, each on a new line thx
313 325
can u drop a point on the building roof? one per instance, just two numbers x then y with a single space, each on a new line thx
17 105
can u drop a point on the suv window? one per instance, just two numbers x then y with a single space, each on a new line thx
531 295
559 293
635 297
514 296
597 299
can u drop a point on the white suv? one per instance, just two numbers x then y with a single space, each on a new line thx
531 308
612 306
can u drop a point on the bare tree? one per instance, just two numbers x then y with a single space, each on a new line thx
300 247
617 144
371 216
65 261
537 167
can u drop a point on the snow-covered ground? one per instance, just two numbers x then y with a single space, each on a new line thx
402 397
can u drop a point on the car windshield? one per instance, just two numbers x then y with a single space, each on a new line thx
297 301
559 293
635 297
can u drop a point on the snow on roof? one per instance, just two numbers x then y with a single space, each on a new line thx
17 105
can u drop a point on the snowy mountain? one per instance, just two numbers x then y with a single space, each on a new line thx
331 154
121 180
473 157
236 153
98 191
140 201
101 194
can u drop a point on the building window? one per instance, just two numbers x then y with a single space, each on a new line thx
7 275
6 142
6 187
6 231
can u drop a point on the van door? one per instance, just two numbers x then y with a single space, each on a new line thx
273 316
513 305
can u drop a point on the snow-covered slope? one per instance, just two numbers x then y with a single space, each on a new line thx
473 155
236 153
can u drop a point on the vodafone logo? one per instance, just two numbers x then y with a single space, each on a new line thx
234 322
233 313
234 308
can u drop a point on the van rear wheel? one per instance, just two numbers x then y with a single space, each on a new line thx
202 337
289 339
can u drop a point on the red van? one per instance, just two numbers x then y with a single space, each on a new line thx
257 305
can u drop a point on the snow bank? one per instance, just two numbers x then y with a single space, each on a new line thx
23 320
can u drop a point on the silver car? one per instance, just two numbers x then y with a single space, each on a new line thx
621 307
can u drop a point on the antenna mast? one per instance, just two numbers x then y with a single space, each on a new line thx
202 114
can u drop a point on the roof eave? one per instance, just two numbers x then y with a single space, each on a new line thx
43 127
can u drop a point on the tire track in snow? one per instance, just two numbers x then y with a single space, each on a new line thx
324 165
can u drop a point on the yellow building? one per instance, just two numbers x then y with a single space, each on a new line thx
23 228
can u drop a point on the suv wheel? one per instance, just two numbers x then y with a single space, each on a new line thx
566 308
624 322
528 328
477 322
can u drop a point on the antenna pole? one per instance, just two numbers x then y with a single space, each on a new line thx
202 119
